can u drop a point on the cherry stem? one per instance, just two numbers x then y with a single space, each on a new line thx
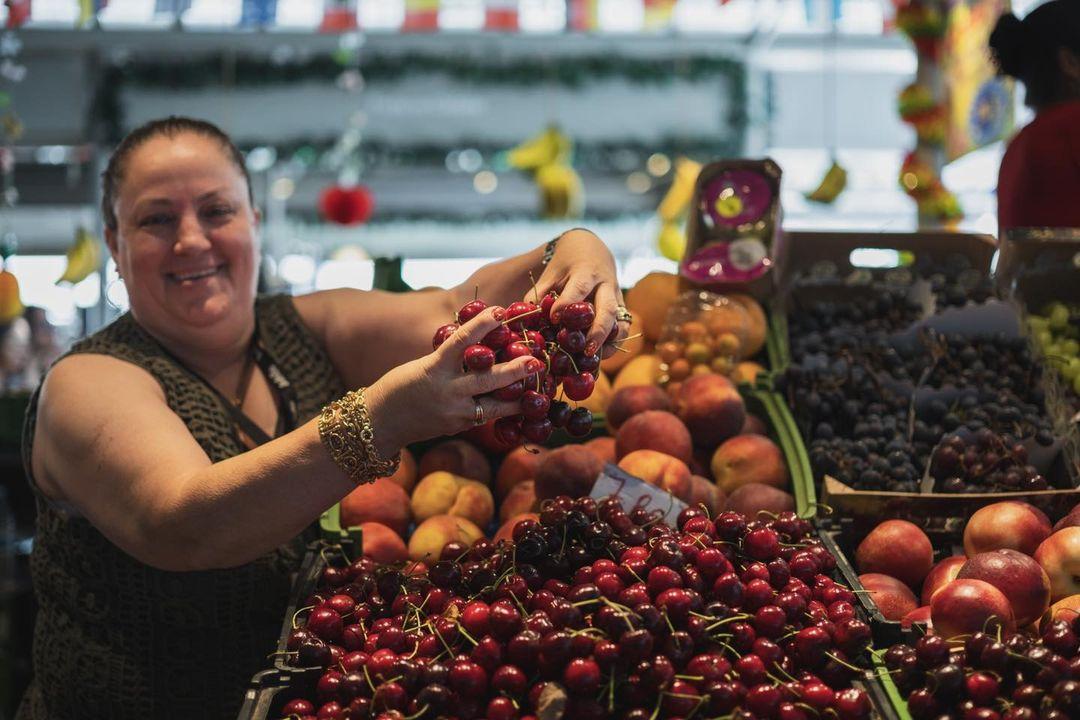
297 613
522 315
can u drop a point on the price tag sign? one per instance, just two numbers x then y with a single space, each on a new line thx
634 492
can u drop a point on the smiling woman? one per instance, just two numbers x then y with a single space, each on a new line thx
181 454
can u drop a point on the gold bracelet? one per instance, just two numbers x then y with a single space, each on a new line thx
346 430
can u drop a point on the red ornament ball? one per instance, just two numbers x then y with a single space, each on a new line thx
346 205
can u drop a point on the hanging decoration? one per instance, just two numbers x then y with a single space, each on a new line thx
924 105
834 181
256 13
832 184
581 15
548 157
919 108
83 258
658 14
338 16
501 15
88 10
671 240
18 13
11 129
421 16
346 205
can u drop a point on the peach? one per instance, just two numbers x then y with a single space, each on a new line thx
746 459
1067 608
656 468
430 536
941 575
757 325
442 493
612 365
382 544
897 548
630 401
570 470
965 607
754 426
893 598
654 430
506 530
918 615
603 447
1059 556
752 498
405 475
650 299
712 409
1070 520
1017 576
642 370
457 457
518 466
746 372
521 499
1010 524
703 492
382 501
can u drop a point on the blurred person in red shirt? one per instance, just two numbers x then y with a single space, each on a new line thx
1039 179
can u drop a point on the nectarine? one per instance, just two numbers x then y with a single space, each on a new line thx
1017 576
654 430
430 536
382 501
656 468
1059 556
965 607
893 598
1010 524
897 548
457 457
711 407
382 544
746 459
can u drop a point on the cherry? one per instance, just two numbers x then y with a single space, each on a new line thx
523 649
325 623
577 316
534 405
572 341
579 387
498 338
751 670
763 700
390 696
299 706
981 687
470 310
582 676
662 578
676 602
762 544
658 672
545 305
811 644
468 679
475 618
515 350
330 711
580 423
501 708
442 334
536 430
559 413
932 651
510 392
561 365
516 309
852 704
769 621
508 430
487 653
587 363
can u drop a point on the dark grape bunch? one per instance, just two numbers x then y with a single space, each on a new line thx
611 612
991 678
528 329
984 462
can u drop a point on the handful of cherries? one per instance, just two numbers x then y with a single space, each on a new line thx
598 611
528 329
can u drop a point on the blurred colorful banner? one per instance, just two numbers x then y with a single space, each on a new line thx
980 103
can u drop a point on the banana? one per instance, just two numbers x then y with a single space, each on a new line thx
83 258
543 149
11 305
831 185
672 241
681 192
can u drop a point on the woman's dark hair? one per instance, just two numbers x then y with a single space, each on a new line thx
1028 49
170 127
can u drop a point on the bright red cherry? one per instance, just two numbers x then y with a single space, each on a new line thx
579 387
479 357
516 349
498 338
577 316
442 333
325 623
535 405
519 309
470 310
582 676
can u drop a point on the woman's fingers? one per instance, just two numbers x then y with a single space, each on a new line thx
485 381
579 286
452 351
494 408
606 303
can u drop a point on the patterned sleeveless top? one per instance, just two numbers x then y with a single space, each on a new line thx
119 639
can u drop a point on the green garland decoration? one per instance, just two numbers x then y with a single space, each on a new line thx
611 157
570 71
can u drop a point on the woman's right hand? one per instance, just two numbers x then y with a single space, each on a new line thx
433 395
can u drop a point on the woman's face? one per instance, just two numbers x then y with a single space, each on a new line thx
186 243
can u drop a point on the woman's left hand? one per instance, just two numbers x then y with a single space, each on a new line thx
583 268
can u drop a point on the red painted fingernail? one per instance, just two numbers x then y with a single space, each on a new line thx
498 314
590 349
534 365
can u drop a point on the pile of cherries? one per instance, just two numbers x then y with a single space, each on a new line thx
592 612
992 677
983 462
527 329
